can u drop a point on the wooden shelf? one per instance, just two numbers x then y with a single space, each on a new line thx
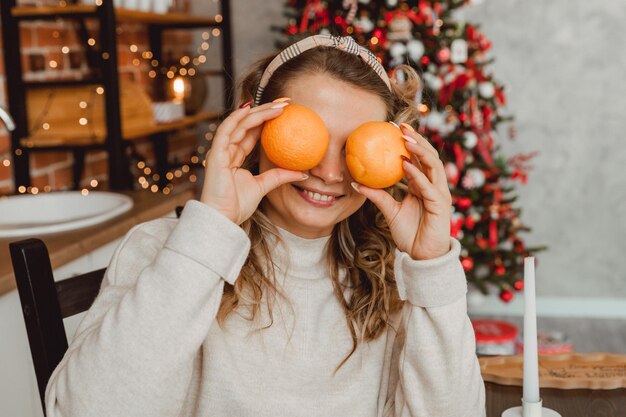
42 12
135 133
52 140
122 15
167 19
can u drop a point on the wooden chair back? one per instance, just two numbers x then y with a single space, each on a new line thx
45 303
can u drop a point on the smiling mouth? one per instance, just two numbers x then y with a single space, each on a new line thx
314 197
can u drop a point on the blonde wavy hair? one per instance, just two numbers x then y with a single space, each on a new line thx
361 245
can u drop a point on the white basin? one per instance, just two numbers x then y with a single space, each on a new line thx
59 211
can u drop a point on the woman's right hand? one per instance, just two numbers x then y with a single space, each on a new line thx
228 188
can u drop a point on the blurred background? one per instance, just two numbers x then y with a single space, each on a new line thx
523 99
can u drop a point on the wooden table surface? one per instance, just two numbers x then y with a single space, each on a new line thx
67 246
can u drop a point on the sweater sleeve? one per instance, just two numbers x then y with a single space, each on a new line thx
437 373
133 352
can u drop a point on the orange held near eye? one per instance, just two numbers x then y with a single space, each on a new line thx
296 140
373 154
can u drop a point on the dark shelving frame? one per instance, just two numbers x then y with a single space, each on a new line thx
108 17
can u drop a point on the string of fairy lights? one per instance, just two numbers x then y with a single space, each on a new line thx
147 179
187 66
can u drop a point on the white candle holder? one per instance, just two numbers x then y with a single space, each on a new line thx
530 410
168 111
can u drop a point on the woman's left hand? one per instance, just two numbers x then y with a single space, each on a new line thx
419 224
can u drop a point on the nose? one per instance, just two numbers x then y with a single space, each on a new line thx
331 167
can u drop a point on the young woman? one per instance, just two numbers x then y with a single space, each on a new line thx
283 293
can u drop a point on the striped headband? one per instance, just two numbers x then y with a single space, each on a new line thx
344 43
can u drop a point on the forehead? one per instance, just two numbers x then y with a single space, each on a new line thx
342 106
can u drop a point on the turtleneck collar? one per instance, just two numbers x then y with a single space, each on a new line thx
299 257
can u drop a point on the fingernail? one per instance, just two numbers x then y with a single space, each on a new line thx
247 103
394 123
304 177
279 105
404 158
407 126
409 139
355 186
280 100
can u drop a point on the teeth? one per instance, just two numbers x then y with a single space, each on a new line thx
318 196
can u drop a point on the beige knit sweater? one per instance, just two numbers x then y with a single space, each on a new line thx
150 344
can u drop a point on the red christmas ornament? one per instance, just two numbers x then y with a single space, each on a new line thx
482 243
463 117
500 270
463 203
443 55
518 285
456 223
470 222
425 60
468 263
506 295
499 94
493 234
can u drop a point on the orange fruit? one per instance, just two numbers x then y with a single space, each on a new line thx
296 140
373 154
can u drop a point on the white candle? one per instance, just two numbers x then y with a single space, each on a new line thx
179 89
531 366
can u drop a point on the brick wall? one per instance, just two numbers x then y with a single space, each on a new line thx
52 49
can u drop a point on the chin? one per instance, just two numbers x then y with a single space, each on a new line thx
293 208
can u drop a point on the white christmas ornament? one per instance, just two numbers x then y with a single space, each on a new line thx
481 271
486 89
397 50
364 24
398 54
432 81
416 49
392 3
474 178
435 120
458 51
436 83
470 139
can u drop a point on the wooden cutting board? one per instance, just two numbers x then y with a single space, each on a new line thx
564 371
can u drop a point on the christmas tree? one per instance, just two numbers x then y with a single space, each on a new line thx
462 109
